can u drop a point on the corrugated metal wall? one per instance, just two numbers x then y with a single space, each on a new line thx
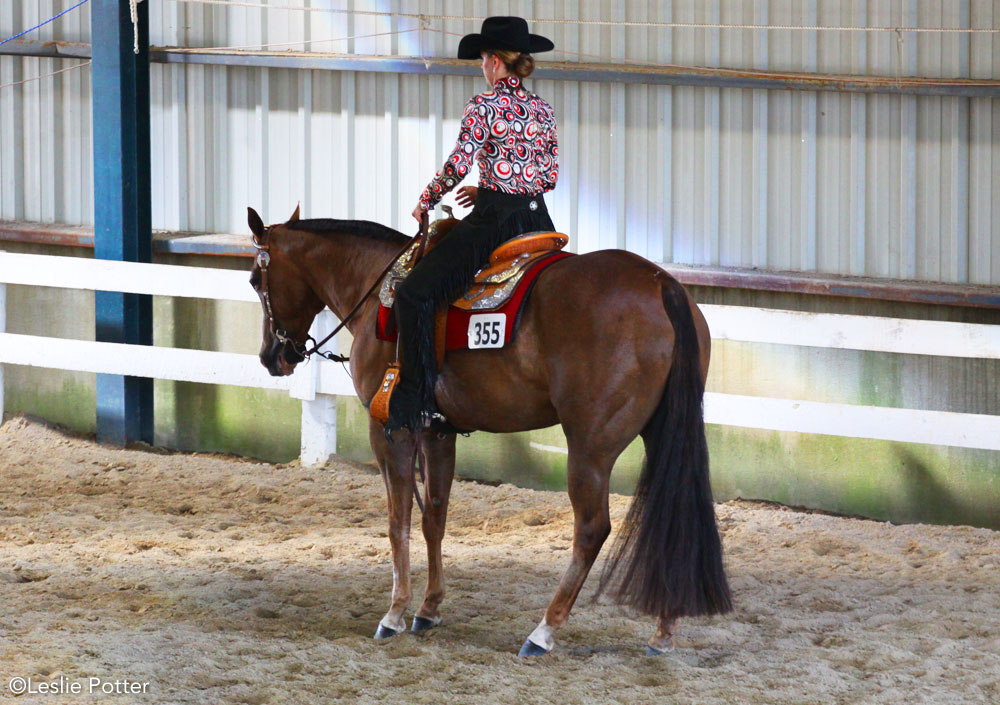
46 162
889 186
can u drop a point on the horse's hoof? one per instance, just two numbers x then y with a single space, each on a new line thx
530 649
422 624
384 632
653 651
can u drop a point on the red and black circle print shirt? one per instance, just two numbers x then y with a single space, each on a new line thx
512 134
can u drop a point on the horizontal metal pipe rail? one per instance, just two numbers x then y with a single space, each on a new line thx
560 71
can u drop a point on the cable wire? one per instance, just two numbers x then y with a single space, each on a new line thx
10 39
202 50
39 78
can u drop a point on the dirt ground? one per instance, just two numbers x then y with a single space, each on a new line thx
219 580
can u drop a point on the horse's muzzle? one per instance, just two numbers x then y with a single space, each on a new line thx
280 359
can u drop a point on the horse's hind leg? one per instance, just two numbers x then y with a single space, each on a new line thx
663 640
394 462
440 454
587 477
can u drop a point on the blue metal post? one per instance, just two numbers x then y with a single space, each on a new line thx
122 225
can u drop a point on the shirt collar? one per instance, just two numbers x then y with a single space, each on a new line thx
507 83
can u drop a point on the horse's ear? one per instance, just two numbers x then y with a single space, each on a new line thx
256 224
295 215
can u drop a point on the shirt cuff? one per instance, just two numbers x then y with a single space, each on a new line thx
427 201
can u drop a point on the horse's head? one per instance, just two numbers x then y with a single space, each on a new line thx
289 303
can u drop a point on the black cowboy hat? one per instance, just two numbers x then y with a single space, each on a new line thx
504 33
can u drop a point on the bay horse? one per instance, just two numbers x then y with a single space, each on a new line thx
610 347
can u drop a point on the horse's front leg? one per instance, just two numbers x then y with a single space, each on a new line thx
440 454
394 460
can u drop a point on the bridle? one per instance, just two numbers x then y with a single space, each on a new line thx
300 348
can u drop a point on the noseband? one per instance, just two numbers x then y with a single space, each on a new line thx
281 335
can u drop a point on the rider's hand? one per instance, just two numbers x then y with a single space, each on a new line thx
418 212
466 196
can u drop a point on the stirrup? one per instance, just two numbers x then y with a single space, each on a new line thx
379 405
428 419
432 417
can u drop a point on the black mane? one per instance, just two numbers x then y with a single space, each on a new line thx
361 228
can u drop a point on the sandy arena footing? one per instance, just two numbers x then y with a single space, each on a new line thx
219 580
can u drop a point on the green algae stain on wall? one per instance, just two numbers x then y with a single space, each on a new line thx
66 398
62 397
899 482
257 423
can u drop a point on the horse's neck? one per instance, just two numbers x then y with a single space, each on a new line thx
342 269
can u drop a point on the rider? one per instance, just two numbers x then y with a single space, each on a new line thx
512 134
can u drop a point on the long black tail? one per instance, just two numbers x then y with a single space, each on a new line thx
667 560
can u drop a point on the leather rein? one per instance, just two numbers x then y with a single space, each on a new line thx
263 260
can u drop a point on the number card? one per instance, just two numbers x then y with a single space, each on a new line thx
487 330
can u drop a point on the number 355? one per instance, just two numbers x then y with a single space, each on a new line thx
487 331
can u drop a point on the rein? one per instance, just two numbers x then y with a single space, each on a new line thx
264 259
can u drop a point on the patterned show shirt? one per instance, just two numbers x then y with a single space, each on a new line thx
512 134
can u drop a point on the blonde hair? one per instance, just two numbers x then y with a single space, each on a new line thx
517 63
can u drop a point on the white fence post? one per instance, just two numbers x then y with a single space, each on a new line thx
319 411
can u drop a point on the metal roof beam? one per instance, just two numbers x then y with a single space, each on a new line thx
560 71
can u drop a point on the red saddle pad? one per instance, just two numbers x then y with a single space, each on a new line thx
478 329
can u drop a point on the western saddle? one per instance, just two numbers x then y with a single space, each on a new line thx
493 286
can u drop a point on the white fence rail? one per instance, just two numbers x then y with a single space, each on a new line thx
318 382
315 383
126 277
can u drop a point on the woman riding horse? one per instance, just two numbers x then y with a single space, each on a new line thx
610 347
512 134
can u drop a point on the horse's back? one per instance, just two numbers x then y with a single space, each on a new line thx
604 278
